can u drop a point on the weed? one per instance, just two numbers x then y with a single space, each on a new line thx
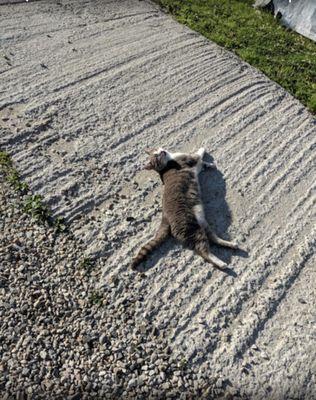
12 174
35 206
183 363
86 264
95 298
15 180
5 160
60 225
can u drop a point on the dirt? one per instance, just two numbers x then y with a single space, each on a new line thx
85 87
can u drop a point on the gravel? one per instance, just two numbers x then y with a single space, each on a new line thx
60 337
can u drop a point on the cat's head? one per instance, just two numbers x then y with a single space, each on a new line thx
158 159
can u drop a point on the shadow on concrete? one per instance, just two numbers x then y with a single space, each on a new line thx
217 211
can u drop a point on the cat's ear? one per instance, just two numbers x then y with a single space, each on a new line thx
162 155
149 151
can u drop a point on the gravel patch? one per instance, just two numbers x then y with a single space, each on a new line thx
61 338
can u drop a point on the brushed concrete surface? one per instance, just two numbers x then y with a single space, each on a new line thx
85 87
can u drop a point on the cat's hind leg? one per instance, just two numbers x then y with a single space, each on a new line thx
215 239
202 248
209 257
199 214
201 153
204 164
161 235
215 261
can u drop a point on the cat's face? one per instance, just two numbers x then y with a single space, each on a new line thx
158 159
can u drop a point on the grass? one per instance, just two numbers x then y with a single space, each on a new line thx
257 37
33 204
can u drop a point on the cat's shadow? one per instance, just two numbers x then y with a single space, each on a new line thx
217 212
218 215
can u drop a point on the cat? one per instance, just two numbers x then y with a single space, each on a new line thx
182 209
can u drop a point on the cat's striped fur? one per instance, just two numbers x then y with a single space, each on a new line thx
182 209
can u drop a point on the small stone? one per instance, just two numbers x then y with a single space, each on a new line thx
103 339
75 396
28 234
132 383
152 372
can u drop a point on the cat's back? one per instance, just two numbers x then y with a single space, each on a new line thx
181 195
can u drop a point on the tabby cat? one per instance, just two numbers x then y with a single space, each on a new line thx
182 209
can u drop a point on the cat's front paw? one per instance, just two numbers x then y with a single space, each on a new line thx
201 152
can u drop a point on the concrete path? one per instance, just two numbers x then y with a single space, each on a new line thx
86 86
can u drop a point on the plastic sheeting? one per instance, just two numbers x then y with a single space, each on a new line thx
299 15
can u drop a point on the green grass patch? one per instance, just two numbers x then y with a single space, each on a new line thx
257 37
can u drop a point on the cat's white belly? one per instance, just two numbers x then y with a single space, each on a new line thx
199 214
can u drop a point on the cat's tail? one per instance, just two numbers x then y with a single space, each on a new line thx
161 235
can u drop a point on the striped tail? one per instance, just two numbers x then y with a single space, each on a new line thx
143 253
